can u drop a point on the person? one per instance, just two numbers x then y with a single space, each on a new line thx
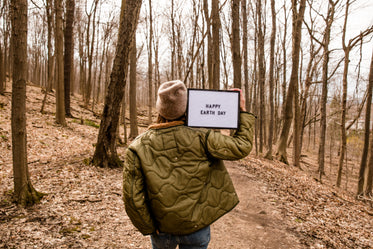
175 184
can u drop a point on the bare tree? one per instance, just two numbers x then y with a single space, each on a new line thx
325 79
60 92
245 52
209 43
5 63
2 72
68 56
90 39
105 154
24 192
102 75
271 81
190 69
50 59
236 53
261 73
364 157
369 187
132 90
215 44
347 49
150 64
298 15
173 41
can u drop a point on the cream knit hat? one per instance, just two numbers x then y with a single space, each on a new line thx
172 99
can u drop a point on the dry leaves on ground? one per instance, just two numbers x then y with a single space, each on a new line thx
83 206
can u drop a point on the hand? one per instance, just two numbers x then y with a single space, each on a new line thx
242 99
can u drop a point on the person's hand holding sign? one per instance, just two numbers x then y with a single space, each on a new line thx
242 99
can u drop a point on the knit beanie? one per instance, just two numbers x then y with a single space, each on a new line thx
172 99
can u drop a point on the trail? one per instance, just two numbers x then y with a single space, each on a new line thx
255 222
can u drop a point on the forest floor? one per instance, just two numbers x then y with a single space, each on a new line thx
280 206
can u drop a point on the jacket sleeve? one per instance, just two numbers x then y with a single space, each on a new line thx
232 147
134 195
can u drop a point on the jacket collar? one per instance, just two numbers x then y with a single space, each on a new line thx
166 125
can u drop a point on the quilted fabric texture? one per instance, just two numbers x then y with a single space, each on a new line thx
174 179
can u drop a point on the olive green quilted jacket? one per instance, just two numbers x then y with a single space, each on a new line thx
174 179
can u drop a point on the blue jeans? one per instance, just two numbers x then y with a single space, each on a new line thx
196 240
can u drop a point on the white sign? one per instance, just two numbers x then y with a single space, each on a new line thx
213 108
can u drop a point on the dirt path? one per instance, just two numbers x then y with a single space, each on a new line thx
255 222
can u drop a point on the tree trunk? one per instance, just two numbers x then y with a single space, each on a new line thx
48 87
2 71
105 154
364 157
173 41
369 187
150 65
271 82
215 44
343 143
24 192
296 128
179 44
284 61
245 52
288 112
6 50
134 132
324 95
68 56
261 76
236 56
60 92
90 39
209 44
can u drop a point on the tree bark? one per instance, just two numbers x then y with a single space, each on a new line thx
60 92
271 82
150 65
284 60
68 56
105 154
236 53
215 44
24 192
364 157
209 43
261 76
245 52
369 187
2 71
132 90
173 41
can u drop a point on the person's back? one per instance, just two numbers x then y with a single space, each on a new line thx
175 182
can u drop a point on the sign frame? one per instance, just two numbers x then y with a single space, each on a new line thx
217 124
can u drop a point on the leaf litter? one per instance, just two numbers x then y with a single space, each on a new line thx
83 207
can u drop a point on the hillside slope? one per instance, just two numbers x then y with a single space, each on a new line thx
280 206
